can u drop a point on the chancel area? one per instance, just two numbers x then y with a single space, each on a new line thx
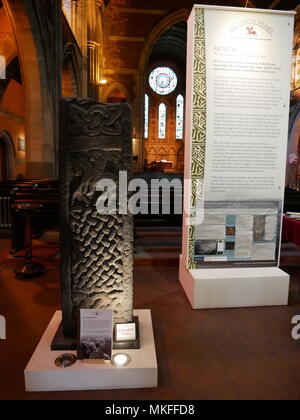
149 174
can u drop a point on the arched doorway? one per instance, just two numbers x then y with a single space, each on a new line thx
115 93
71 80
7 157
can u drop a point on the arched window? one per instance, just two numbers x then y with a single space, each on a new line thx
146 129
162 121
179 117
2 67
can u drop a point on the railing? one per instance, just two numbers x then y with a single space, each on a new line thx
5 215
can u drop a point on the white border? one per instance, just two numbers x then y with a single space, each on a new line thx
245 9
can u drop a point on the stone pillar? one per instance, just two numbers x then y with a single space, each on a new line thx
95 42
94 54
96 250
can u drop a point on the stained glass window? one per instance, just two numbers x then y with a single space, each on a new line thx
2 67
163 80
179 117
162 121
146 130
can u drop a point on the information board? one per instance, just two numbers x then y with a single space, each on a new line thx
238 93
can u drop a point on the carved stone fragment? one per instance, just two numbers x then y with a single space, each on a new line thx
96 249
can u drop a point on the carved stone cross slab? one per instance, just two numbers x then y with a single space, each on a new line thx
96 249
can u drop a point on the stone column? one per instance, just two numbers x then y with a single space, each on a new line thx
95 42
96 250
94 55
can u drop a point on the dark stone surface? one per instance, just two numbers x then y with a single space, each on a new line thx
96 250
62 343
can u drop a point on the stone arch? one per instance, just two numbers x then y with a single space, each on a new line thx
7 144
38 123
71 78
161 27
115 87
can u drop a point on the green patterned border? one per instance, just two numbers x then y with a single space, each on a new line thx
198 125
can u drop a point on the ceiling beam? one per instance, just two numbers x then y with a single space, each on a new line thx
126 38
140 11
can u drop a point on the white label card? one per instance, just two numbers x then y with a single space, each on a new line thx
125 332
96 331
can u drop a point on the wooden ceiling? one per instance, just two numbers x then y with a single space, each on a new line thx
259 4
275 4
173 41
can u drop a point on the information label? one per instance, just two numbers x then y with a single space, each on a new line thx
96 330
125 332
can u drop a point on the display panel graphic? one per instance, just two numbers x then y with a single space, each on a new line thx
239 233
238 76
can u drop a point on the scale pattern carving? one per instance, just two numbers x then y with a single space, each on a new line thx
98 240
198 124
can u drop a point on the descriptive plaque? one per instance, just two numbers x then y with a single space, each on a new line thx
239 68
125 332
95 334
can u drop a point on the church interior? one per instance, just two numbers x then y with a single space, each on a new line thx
121 52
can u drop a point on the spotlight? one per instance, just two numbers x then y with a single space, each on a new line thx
121 360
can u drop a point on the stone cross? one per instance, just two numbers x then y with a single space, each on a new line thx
96 249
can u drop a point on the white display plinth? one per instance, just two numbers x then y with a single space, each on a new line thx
41 374
235 287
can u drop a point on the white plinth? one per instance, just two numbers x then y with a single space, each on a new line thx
234 287
41 374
